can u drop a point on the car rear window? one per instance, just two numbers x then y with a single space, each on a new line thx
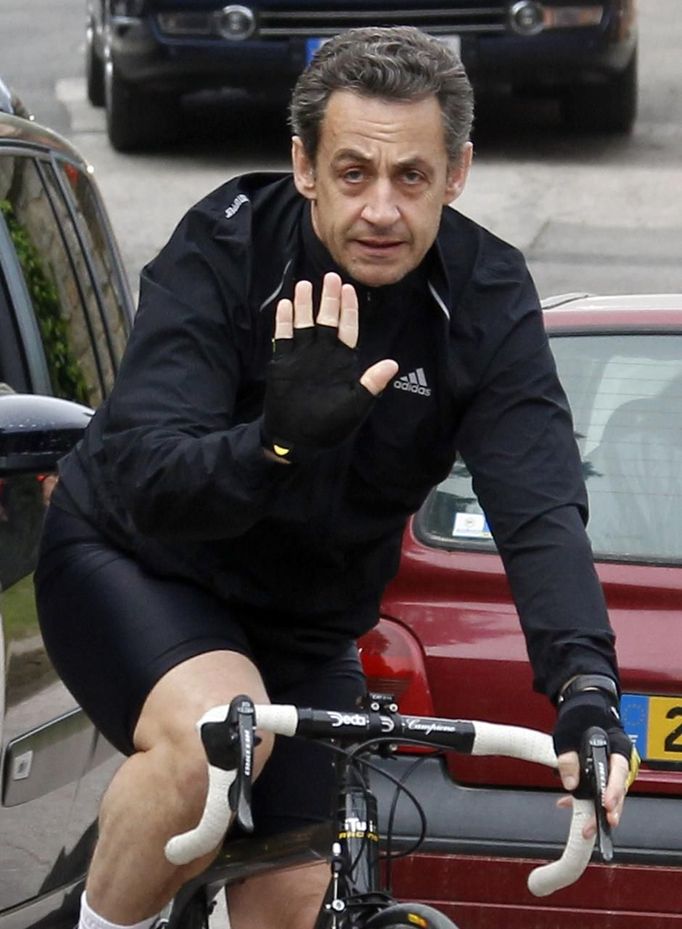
625 392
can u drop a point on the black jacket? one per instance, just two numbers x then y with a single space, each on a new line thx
172 467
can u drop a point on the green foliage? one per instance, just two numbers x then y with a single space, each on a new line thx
66 376
19 610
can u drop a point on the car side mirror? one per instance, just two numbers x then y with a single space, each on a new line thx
36 431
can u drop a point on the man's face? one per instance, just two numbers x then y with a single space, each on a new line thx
379 182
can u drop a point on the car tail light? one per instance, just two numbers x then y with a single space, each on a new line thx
394 664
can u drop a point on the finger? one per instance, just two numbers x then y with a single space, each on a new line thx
614 795
348 317
376 378
303 305
284 320
590 828
330 303
569 770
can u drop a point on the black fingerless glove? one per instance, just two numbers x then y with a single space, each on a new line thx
313 397
585 709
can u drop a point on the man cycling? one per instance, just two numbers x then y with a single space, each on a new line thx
232 516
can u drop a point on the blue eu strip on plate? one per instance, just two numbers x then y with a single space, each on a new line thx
634 710
654 723
311 46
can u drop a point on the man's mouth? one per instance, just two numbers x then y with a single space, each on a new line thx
379 245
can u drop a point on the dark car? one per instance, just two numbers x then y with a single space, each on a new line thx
65 312
143 55
449 643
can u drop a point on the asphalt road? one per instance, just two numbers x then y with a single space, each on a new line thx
592 213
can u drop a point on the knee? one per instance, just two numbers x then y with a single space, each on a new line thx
188 772
183 759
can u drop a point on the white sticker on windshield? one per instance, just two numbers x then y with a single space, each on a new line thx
471 526
453 42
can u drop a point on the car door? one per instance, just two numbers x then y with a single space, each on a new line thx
64 317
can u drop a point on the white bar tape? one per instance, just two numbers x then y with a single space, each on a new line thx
575 858
210 831
514 742
530 745
280 719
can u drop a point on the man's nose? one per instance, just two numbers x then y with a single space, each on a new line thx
381 206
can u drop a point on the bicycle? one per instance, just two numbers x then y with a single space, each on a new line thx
356 898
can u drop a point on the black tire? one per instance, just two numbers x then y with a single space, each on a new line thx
192 914
610 107
94 70
138 120
398 916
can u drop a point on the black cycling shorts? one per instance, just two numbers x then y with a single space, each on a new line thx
112 630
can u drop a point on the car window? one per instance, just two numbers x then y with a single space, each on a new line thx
109 288
53 265
13 374
22 504
626 395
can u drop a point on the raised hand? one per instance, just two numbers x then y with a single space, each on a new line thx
315 396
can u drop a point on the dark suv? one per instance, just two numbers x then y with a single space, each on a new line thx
142 55
65 312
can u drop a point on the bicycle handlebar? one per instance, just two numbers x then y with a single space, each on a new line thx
464 736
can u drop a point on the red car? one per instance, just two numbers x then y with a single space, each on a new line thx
449 643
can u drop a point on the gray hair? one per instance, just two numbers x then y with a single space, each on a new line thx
394 63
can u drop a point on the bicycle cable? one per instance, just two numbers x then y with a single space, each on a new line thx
388 856
354 758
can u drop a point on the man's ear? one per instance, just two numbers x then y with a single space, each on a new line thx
458 174
304 170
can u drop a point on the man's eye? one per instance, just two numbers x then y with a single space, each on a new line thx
413 177
353 175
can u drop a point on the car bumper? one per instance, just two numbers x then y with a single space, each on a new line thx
143 54
481 844
548 60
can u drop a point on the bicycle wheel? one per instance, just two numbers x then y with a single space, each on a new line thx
409 916
190 914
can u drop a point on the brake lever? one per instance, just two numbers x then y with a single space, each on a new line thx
240 791
230 745
594 775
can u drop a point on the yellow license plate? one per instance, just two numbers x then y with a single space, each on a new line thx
655 726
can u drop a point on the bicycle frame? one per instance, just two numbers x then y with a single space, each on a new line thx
355 880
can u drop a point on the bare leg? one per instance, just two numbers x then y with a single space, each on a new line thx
281 900
160 791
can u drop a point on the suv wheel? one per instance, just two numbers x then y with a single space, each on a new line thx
138 120
608 107
94 69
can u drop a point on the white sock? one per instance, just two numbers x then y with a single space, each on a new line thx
90 920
